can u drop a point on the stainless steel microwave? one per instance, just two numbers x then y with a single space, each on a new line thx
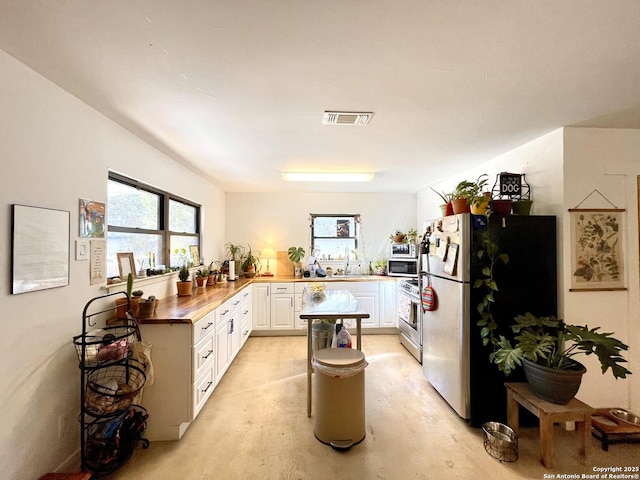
402 267
403 250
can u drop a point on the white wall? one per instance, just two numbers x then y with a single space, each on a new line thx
606 160
55 150
281 220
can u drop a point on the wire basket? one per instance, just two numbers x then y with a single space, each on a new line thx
112 388
105 344
111 443
500 441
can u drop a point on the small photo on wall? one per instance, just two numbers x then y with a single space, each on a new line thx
342 228
91 219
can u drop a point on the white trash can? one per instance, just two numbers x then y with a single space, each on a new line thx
339 396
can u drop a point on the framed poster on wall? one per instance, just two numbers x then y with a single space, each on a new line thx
39 248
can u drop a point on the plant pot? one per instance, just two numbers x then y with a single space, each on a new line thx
202 281
146 309
398 238
185 289
448 210
211 280
552 385
479 205
521 207
501 207
460 205
297 269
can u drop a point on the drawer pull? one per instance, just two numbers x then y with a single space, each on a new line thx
207 355
246 332
208 325
245 312
236 303
208 387
225 312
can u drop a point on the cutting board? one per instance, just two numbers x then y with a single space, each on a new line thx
285 265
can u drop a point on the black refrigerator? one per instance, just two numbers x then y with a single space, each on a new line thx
455 361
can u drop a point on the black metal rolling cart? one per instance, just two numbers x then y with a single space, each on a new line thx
111 378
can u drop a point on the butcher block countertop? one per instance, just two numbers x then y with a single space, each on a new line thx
190 309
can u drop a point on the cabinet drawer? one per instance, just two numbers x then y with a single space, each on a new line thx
227 310
277 288
204 327
202 390
203 355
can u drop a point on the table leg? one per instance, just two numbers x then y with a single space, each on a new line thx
584 430
546 440
359 333
309 366
513 419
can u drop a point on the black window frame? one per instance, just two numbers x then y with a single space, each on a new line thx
163 217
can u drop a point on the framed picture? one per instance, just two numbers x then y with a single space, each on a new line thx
342 228
195 254
126 265
40 248
596 249
91 219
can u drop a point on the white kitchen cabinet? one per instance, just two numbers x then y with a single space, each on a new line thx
261 306
273 306
227 334
246 315
282 308
184 366
388 305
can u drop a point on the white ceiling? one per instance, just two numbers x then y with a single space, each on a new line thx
237 88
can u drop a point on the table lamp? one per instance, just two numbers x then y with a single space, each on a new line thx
268 253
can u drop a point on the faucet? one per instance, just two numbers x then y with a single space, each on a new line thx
346 269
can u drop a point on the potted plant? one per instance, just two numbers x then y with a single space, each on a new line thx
213 272
251 263
125 304
185 286
147 307
398 236
296 254
541 348
235 254
445 207
469 192
379 266
202 277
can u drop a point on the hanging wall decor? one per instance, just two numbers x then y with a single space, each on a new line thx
597 261
91 219
40 248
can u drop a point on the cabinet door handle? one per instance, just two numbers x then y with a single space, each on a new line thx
208 325
207 355
246 332
231 326
207 387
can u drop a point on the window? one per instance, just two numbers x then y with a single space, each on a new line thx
335 237
137 220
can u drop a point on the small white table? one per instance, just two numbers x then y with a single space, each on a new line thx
333 305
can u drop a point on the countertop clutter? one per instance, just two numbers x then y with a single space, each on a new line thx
174 309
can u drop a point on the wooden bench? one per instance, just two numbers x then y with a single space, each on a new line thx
549 413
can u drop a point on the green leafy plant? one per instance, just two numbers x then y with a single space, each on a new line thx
446 197
183 273
296 254
234 252
137 293
398 236
251 260
543 340
202 272
488 253
470 190
129 285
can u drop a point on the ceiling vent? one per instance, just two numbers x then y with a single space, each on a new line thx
347 118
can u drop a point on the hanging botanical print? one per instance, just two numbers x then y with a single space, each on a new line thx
596 237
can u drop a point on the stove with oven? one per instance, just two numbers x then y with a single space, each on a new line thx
410 316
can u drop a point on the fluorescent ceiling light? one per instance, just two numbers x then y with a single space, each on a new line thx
327 177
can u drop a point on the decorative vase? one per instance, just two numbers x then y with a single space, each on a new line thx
460 205
185 289
521 207
297 269
551 384
501 207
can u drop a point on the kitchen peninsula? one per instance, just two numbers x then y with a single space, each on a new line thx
195 338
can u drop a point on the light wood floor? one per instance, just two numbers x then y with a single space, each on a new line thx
255 426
